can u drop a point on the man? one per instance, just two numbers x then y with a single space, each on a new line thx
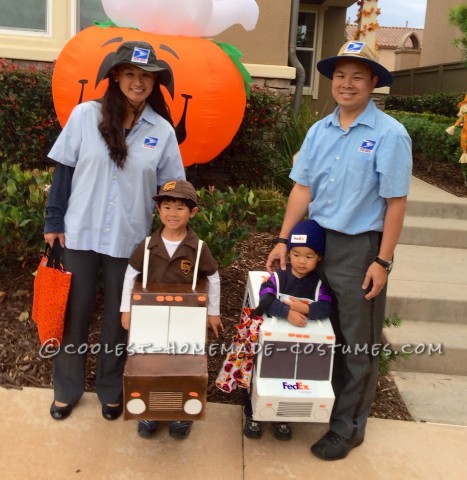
352 176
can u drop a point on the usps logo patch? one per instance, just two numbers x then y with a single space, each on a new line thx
140 55
298 238
354 47
150 142
367 146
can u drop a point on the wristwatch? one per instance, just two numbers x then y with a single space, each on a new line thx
280 240
386 265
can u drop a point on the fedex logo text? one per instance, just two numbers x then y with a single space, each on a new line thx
295 386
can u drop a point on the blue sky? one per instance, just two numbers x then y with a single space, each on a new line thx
395 13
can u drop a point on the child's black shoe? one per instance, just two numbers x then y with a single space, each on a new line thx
252 428
282 431
146 428
180 429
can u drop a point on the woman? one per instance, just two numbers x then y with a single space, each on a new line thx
111 156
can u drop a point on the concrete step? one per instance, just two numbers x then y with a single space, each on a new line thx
456 209
436 232
428 283
425 301
425 200
435 347
434 397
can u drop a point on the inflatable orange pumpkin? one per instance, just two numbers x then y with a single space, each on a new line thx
206 97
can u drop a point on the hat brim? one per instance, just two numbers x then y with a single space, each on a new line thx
327 66
163 74
176 195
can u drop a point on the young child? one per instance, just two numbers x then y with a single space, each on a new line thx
299 281
172 257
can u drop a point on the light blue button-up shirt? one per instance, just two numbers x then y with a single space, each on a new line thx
352 172
110 209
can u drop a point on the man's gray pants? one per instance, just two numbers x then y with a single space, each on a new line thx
358 325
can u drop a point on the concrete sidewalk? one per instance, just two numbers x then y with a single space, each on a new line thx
85 446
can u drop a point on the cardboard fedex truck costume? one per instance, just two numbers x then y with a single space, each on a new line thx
292 374
165 376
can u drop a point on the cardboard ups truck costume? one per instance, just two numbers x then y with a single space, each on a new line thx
165 376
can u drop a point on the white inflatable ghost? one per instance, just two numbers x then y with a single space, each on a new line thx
226 13
192 18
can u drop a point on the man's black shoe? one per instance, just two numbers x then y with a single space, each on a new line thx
334 446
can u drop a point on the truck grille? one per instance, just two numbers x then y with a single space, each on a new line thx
289 409
165 401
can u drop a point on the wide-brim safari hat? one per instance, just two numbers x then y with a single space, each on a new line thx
361 52
142 55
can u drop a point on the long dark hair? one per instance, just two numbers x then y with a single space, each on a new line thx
114 106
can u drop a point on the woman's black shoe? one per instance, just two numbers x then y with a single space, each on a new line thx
60 413
111 413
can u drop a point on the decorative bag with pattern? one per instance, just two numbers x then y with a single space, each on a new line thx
51 288
237 368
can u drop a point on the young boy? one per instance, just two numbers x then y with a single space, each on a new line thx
289 288
172 257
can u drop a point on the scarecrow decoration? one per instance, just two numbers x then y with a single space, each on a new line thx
207 93
367 22
461 122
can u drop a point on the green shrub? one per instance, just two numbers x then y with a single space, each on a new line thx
430 138
222 221
270 209
441 103
290 139
22 206
269 223
250 159
269 201
27 118
432 117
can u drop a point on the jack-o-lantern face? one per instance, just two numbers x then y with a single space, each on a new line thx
206 96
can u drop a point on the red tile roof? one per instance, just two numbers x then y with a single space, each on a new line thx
388 37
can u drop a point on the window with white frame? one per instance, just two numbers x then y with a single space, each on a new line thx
89 11
25 15
306 43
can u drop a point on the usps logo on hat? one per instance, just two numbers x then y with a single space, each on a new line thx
367 146
297 238
150 142
354 47
140 55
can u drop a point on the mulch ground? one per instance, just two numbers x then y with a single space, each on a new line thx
447 176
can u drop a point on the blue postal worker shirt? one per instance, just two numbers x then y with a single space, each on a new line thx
110 209
352 172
